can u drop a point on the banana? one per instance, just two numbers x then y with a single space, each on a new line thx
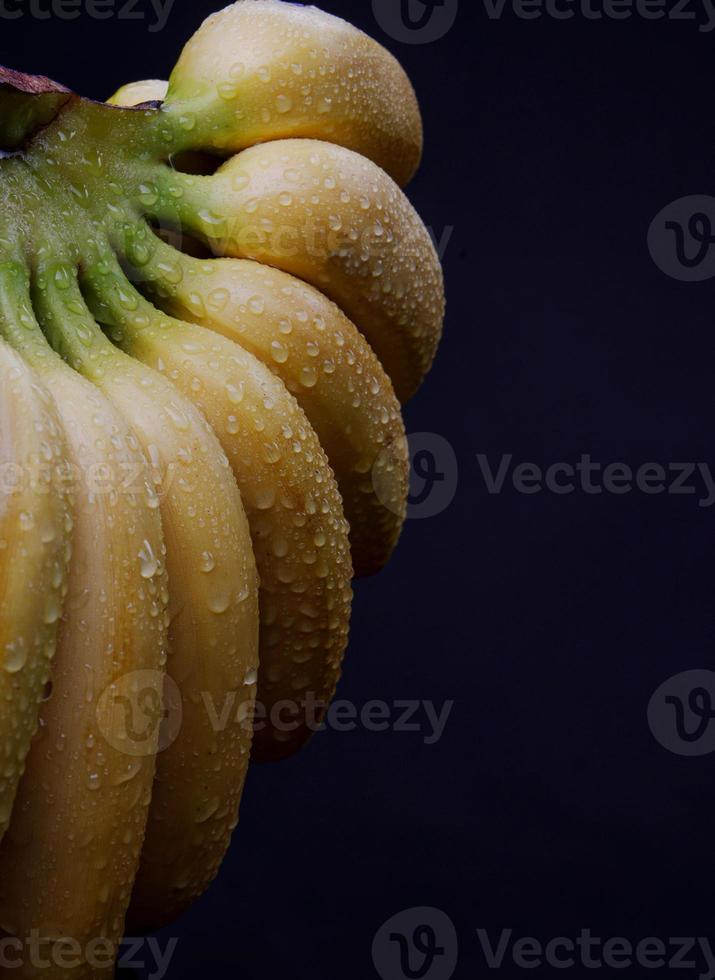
68 861
136 93
332 218
323 361
263 70
35 526
300 536
213 633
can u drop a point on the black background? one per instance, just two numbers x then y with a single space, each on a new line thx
547 806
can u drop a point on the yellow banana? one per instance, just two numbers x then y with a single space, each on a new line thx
35 525
331 217
300 536
68 861
135 93
213 633
263 70
323 361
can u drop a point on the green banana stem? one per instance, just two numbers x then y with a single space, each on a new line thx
193 122
18 323
116 304
180 202
162 267
68 323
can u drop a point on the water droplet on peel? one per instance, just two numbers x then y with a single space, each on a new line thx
234 392
15 657
149 564
227 90
62 278
218 299
265 498
308 377
272 452
219 602
53 610
279 352
207 810
240 180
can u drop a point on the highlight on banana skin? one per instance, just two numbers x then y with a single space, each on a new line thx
214 299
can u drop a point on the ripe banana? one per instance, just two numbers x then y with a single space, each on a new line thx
35 525
213 632
324 362
69 859
136 93
300 536
263 70
331 217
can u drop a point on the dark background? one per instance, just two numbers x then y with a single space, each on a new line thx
548 806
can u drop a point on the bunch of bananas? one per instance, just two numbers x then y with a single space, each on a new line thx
213 298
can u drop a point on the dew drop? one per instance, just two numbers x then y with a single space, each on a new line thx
308 377
149 563
15 656
208 562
